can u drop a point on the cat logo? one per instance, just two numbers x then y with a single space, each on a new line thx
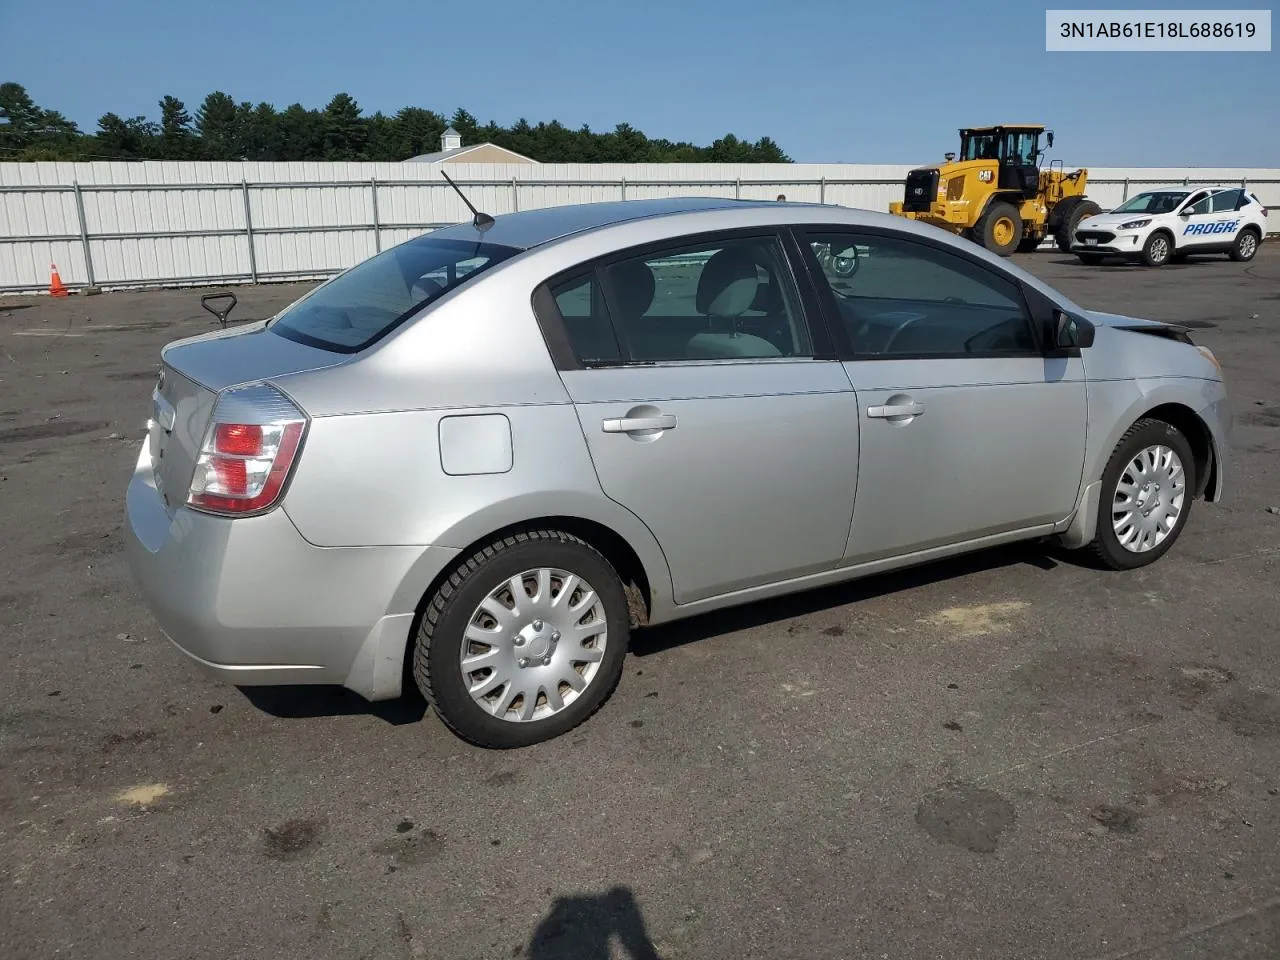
985 176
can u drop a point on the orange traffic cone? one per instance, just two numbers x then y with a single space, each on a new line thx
56 287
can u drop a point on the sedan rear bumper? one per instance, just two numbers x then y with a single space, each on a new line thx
253 603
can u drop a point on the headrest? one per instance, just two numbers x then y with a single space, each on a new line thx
633 286
727 287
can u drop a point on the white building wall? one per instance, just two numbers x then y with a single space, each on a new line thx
169 222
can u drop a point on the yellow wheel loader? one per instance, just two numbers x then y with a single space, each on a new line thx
997 193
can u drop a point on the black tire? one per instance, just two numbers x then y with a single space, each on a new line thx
1106 545
1158 249
1090 259
1242 251
1069 214
986 229
436 667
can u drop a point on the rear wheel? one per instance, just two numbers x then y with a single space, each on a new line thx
1070 212
1245 247
1157 250
524 640
1147 489
1001 229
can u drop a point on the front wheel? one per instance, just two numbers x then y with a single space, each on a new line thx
524 640
1147 490
1157 250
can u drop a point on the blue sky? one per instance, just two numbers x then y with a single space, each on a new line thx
869 82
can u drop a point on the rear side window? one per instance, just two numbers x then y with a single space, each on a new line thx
734 299
1226 200
367 302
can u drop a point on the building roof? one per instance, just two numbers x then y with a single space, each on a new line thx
457 152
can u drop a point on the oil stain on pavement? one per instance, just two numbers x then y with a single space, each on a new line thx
966 816
292 839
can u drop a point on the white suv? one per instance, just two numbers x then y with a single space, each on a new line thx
1168 224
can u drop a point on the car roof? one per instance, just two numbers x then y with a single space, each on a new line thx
532 228
1191 188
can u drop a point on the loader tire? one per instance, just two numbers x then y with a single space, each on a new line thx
1001 229
1068 215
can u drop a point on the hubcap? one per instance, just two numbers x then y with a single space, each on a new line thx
1003 231
1247 245
1148 499
1159 248
534 644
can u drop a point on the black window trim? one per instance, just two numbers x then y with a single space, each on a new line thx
1037 309
556 335
1194 197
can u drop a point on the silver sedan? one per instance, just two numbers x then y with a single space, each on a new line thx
482 458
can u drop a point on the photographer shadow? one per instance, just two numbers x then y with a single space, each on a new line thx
582 927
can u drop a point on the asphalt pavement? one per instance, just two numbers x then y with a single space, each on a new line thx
1011 755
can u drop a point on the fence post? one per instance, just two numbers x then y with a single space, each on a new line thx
377 224
1125 196
623 185
84 233
822 190
1244 183
248 232
515 196
737 189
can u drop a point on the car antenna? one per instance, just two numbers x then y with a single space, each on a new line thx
481 221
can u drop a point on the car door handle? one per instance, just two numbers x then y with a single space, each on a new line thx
636 424
888 411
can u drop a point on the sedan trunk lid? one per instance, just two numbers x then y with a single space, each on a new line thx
192 372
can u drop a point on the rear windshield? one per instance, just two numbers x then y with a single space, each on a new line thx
371 299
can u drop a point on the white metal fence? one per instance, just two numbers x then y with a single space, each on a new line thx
111 224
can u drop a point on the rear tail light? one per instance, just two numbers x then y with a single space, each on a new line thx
249 450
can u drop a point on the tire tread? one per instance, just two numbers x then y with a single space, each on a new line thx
462 572
1096 548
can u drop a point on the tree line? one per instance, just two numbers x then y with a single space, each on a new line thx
222 129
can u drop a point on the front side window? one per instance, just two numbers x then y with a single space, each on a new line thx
732 300
911 299
1020 148
1200 203
368 301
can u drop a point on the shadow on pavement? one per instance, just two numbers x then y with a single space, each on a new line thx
657 639
306 702
582 927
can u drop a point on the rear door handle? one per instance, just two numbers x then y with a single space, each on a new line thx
892 410
636 424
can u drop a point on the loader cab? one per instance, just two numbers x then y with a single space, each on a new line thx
1015 149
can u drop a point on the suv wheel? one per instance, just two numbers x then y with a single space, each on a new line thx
1147 489
524 640
1245 247
1157 250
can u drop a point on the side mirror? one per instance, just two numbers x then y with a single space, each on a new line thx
1071 332
1049 137
1184 212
